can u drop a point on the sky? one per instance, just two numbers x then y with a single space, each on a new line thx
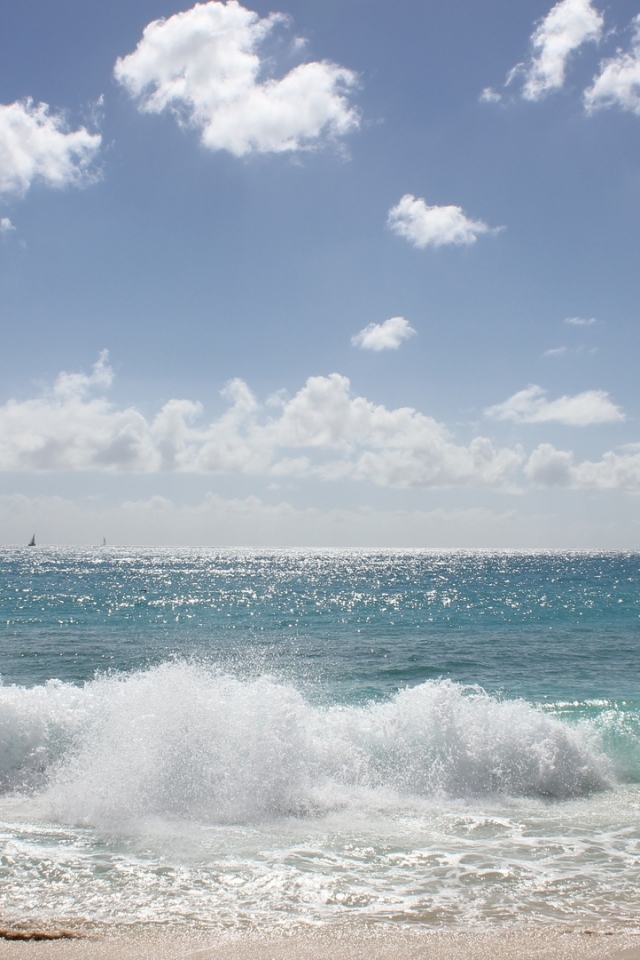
342 274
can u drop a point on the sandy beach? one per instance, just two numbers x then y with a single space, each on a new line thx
399 944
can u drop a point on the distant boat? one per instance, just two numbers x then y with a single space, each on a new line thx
32 542
104 541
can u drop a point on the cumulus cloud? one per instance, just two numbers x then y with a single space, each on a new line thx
383 336
322 431
582 410
205 66
549 467
567 26
618 83
37 146
425 226
5 225
71 429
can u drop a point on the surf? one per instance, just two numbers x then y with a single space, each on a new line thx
184 740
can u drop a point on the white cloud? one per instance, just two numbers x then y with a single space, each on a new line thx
618 83
79 384
531 406
5 225
567 26
69 429
383 336
489 95
322 431
204 65
555 352
36 146
581 321
433 226
548 467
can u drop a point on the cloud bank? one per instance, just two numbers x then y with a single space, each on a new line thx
426 226
37 147
383 336
216 521
582 410
323 431
205 66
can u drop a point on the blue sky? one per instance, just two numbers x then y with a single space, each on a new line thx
420 279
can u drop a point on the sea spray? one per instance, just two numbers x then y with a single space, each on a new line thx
38 725
182 740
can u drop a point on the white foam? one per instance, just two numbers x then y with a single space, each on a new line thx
183 741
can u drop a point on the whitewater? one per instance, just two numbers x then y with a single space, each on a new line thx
238 740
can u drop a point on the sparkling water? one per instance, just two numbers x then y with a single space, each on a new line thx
240 738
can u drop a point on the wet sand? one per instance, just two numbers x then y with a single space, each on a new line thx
389 944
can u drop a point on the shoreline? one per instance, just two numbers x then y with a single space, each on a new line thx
339 943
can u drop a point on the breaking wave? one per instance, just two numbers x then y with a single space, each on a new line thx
183 740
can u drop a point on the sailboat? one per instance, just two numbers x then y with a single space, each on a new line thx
32 542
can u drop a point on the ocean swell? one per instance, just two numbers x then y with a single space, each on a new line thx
182 740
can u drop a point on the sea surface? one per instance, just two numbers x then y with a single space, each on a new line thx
255 739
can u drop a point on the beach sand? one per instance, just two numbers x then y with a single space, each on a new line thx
388 944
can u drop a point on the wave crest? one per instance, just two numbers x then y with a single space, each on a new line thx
182 740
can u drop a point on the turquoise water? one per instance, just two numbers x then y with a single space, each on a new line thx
237 737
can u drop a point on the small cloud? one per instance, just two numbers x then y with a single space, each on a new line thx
581 321
95 112
514 73
489 95
383 336
567 26
434 226
582 410
574 351
6 226
618 83
37 146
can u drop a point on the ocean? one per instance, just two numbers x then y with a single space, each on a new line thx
285 739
